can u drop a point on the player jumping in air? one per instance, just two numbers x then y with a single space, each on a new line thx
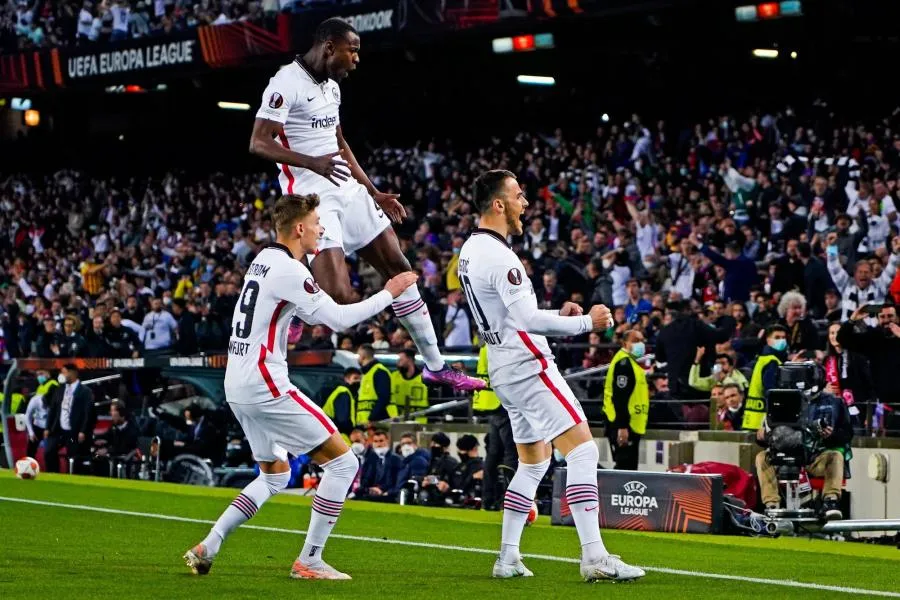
276 417
298 126
523 373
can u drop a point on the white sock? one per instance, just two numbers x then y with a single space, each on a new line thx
583 499
516 506
327 505
244 507
412 312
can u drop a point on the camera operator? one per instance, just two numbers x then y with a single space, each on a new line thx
826 431
881 345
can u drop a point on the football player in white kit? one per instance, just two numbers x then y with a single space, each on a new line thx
523 373
298 127
276 417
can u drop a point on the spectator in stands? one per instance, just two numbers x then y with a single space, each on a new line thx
186 336
49 341
415 460
881 345
550 295
677 343
160 329
122 342
73 343
731 415
118 441
457 326
38 410
95 340
442 464
635 304
462 483
71 422
740 271
321 339
381 469
198 434
816 281
863 288
833 309
789 269
847 375
723 373
379 337
803 336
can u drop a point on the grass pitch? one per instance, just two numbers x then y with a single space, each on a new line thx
53 551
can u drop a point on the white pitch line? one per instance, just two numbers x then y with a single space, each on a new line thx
378 540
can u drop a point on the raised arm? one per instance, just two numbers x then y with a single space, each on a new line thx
887 275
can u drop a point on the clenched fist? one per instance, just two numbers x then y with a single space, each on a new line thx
601 318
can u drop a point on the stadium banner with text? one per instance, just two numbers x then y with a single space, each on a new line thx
647 501
213 46
306 358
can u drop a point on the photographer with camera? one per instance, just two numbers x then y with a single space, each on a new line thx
821 437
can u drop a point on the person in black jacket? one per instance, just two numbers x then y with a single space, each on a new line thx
122 342
187 333
49 341
881 345
677 344
802 333
788 268
847 375
381 469
73 343
816 281
71 421
118 441
442 464
96 340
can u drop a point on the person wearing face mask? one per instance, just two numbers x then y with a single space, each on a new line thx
442 464
765 376
731 415
71 420
415 460
341 403
626 402
38 409
380 478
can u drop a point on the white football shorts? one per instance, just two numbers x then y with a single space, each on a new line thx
291 423
350 218
541 407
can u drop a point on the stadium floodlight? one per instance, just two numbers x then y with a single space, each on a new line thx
791 8
535 80
604 117
765 53
20 104
32 118
234 105
745 13
794 54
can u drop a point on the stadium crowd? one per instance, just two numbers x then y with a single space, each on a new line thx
703 237
39 23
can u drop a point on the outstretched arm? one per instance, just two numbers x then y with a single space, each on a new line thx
541 322
388 202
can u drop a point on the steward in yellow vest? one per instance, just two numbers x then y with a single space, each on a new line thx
485 401
626 402
764 377
408 392
374 402
340 405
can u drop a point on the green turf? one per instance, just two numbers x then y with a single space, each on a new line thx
54 552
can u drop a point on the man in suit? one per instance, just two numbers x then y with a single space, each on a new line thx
380 479
117 441
71 422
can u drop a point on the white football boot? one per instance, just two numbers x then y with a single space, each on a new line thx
610 568
506 571
320 571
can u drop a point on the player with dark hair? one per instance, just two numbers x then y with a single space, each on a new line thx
298 127
276 417
524 376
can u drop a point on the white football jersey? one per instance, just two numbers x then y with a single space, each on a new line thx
276 286
309 114
493 279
